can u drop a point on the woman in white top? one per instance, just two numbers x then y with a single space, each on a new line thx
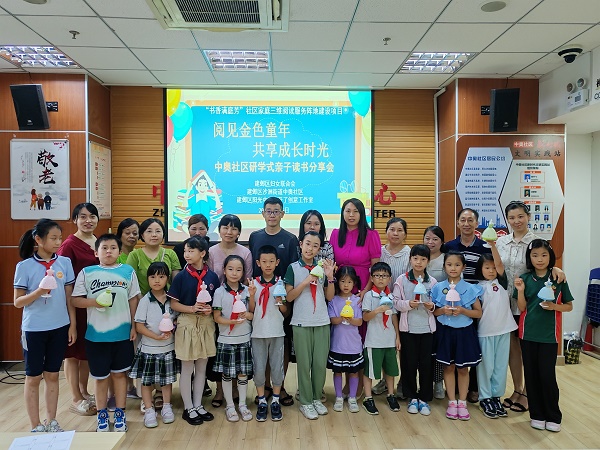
396 253
433 237
512 248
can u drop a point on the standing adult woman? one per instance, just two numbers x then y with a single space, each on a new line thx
152 233
512 248
129 232
396 253
230 228
79 248
355 243
433 237
312 220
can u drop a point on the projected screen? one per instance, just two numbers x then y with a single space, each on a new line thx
229 150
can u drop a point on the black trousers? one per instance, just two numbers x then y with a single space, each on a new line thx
416 356
473 386
539 364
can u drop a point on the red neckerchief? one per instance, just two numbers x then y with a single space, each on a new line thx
46 264
313 287
198 276
386 291
264 294
233 293
415 282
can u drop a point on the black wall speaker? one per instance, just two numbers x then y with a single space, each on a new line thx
30 106
504 110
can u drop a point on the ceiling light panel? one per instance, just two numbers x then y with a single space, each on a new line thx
441 62
37 57
238 60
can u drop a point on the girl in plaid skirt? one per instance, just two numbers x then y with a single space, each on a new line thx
155 361
234 355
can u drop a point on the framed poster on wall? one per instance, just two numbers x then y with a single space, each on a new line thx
100 181
39 179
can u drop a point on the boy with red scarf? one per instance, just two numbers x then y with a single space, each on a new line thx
382 339
267 333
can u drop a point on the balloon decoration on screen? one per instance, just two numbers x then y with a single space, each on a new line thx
169 130
366 127
173 99
361 101
182 121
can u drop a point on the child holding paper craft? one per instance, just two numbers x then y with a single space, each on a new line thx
48 323
234 354
456 339
345 353
417 325
155 361
541 301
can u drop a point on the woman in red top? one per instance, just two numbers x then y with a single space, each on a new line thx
79 248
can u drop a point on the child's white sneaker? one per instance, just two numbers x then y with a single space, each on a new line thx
167 413
245 412
150 418
320 407
309 412
353 405
53 427
338 406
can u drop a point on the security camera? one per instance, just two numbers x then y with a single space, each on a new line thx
569 54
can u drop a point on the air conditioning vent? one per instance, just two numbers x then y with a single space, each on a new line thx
220 15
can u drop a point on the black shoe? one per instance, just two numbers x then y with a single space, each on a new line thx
204 414
369 405
195 419
393 403
261 412
276 414
500 410
487 408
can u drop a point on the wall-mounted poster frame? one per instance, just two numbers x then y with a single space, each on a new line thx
39 179
100 179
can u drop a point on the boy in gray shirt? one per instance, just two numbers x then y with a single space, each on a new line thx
382 339
267 332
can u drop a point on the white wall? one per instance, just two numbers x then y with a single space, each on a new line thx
553 87
578 222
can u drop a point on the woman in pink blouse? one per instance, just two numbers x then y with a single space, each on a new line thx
355 243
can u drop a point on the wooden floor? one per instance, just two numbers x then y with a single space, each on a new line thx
580 404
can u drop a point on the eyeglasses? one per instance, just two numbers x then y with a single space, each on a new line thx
380 276
269 212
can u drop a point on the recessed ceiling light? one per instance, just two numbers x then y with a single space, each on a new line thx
493 6
435 62
36 2
239 60
36 56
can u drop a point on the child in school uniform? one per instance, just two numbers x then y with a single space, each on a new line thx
267 333
195 333
538 325
310 323
48 324
382 340
234 352
155 361
417 325
494 329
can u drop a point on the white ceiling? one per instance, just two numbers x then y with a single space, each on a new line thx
330 43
